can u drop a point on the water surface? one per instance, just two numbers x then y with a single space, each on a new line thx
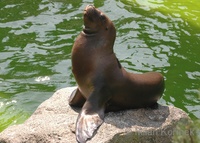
37 37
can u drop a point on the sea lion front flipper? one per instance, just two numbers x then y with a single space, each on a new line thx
87 124
89 119
76 98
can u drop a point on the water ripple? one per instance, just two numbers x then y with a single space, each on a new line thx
37 36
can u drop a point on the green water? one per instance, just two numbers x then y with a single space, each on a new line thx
36 38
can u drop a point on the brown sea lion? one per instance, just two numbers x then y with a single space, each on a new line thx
103 84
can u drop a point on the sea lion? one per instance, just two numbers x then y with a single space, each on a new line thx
103 84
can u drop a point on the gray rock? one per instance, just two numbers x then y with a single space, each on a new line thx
54 122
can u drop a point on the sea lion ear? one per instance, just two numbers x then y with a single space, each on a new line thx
106 28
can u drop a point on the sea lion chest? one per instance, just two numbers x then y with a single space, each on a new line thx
85 59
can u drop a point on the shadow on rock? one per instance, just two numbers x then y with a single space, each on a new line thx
138 117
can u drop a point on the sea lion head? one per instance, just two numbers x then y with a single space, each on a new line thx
96 21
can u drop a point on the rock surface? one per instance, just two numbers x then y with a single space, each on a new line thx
54 122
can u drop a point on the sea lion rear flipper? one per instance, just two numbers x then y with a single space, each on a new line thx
76 98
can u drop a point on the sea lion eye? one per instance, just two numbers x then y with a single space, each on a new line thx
102 17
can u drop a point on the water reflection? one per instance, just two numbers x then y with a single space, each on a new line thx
36 40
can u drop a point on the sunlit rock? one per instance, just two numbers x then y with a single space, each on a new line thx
54 122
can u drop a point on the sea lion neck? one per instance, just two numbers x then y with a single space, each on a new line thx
97 42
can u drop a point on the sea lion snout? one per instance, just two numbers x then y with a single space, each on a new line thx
89 6
93 20
90 10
